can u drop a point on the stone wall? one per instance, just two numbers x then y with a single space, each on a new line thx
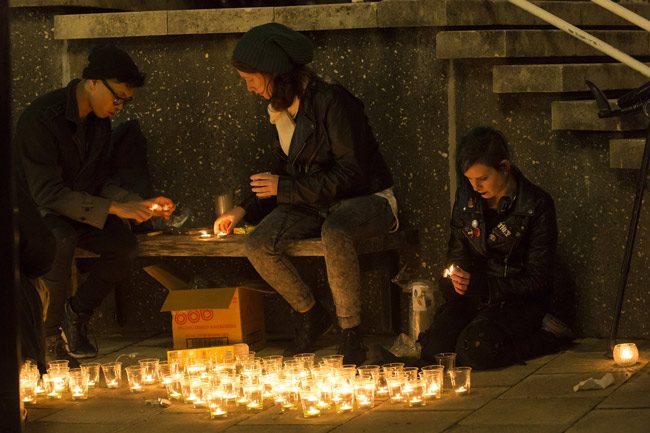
207 134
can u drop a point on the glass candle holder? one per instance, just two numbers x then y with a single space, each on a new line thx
253 393
394 384
91 369
78 380
364 392
173 386
309 398
149 370
333 361
626 354
287 395
191 389
28 389
306 359
217 407
134 378
461 382
58 377
432 376
112 374
163 373
448 362
343 397
59 363
413 392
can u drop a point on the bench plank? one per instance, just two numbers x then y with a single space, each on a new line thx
233 246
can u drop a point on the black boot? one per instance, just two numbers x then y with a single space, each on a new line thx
55 350
309 327
75 333
352 347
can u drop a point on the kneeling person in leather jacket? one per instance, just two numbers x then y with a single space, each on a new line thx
502 247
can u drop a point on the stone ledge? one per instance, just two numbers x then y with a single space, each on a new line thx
583 116
563 77
501 12
626 153
125 5
394 13
533 43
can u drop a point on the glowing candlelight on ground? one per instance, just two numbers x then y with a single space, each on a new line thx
148 379
136 387
448 271
344 407
626 354
112 383
363 401
216 411
221 234
254 405
461 390
312 411
205 234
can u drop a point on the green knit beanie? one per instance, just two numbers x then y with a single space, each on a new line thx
273 48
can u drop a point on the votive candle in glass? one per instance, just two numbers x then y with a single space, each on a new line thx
112 374
461 383
134 378
626 354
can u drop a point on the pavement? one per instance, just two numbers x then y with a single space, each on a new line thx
537 397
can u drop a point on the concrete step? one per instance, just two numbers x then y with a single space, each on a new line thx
468 44
626 153
123 5
397 13
583 116
563 77
502 12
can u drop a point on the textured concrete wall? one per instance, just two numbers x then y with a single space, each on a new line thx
207 134
593 202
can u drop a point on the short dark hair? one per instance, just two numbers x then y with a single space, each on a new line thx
286 86
483 145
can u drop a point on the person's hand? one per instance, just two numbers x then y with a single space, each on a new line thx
227 221
139 211
460 280
162 207
265 184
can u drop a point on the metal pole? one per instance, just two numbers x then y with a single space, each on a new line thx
10 421
629 245
624 13
585 37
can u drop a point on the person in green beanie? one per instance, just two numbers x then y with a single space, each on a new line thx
329 180
64 162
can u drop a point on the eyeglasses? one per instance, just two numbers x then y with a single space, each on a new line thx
117 99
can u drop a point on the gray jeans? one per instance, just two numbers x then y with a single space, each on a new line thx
346 221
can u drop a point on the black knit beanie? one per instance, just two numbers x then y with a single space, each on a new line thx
273 48
108 61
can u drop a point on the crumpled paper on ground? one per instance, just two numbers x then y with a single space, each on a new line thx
592 383
405 346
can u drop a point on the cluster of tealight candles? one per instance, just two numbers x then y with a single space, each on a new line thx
62 380
222 383
251 383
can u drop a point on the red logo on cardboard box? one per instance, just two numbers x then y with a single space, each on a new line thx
193 316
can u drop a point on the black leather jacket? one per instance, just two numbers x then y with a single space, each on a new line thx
333 153
514 262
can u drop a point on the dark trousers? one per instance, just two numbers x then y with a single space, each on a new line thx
117 248
30 323
487 336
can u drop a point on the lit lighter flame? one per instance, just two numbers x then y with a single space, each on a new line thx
448 271
154 206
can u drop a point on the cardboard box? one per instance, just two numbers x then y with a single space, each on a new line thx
212 316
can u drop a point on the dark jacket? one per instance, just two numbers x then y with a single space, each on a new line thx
65 161
515 261
333 153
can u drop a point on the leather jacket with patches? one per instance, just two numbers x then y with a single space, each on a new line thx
333 153
514 262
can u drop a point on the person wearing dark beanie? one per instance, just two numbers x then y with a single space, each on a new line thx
64 149
329 181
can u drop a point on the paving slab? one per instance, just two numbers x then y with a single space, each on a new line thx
609 421
176 423
477 398
632 394
506 429
275 416
508 376
560 385
102 411
49 427
555 411
396 422
583 362
279 429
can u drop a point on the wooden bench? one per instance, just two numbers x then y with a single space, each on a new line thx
169 245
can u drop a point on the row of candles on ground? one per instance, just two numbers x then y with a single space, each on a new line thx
255 383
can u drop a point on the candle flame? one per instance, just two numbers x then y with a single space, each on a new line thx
448 271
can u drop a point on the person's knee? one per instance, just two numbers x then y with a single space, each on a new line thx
333 233
259 245
481 346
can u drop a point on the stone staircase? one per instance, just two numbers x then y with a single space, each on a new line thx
541 59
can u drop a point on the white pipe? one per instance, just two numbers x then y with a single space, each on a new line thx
624 13
585 37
